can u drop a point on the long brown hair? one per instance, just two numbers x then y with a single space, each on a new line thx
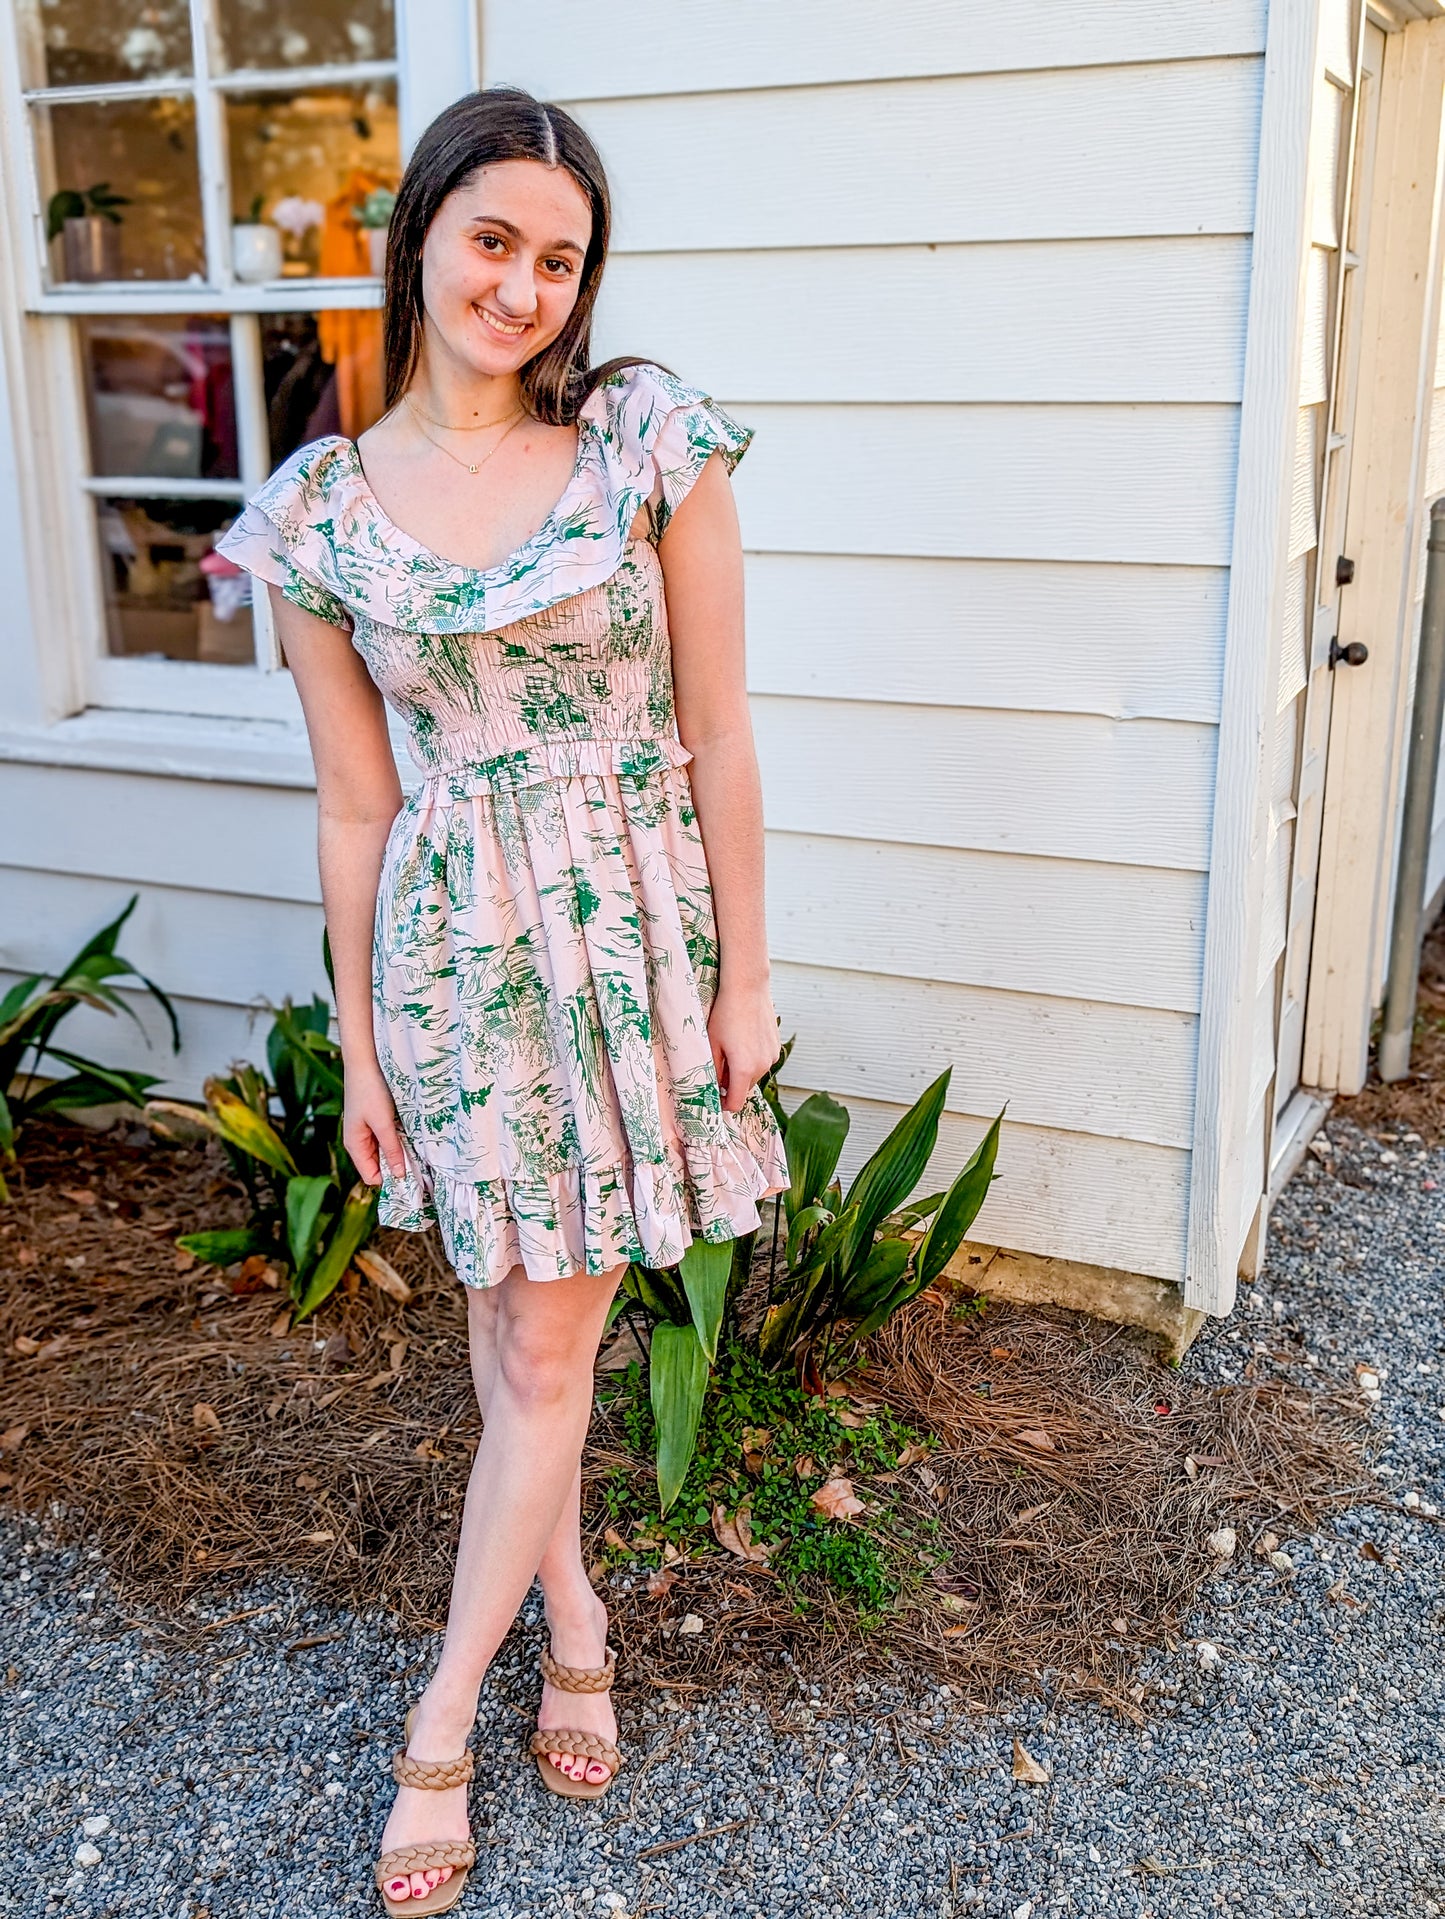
479 130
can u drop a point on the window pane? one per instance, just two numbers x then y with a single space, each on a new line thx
160 603
159 396
306 33
91 43
144 150
323 374
305 162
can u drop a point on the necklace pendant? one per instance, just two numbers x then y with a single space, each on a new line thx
471 469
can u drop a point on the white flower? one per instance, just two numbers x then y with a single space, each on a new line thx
295 215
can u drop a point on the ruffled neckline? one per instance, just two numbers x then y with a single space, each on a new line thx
317 530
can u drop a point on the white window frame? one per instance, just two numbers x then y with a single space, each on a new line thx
62 613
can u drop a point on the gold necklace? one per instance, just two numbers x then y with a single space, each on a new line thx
472 466
481 427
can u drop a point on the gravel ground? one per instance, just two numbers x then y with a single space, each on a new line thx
1294 1760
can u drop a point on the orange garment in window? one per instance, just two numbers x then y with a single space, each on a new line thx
350 337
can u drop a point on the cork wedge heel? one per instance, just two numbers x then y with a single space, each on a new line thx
568 1739
432 1775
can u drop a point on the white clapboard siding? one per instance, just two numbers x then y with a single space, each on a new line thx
202 945
983 919
1294 643
1128 642
1018 156
1337 40
1303 526
1131 320
1131 1073
1328 151
1066 785
1274 919
556 47
1077 1196
1319 313
257 841
1143 484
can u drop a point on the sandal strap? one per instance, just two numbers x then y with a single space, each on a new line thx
580 1745
433 1775
579 1678
404 1860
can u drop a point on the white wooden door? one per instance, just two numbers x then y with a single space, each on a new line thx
1346 124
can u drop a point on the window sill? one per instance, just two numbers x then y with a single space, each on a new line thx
252 752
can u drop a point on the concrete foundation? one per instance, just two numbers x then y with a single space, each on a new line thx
1125 1299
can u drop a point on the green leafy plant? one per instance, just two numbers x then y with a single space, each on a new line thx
847 1263
31 1012
757 1484
376 209
68 204
310 1213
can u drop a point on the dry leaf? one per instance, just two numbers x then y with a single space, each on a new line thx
691 1623
805 1465
13 1438
319 1539
614 1538
736 1533
184 1260
25 1345
1031 1512
1369 1550
78 1195
396 1357
205 1418
911 1453
382 1274
1027 1769
281 1324
620 1351
757 1439
1341 1597
835 1499
1001 1352
428 1449
1037 1437
661 1579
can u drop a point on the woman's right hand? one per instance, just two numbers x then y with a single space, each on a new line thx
368 1126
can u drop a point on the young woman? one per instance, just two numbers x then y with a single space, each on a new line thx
554 1007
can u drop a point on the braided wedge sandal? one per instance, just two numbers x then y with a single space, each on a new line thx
580 1745
435 1775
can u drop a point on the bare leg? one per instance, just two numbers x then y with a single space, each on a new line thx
545 1337
576 1616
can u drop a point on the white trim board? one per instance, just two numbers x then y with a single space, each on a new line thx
1258 584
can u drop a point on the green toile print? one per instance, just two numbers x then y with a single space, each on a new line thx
545 954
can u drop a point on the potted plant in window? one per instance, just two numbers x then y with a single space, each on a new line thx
255 246
88 227
373 216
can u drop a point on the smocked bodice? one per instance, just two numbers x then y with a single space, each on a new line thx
592 668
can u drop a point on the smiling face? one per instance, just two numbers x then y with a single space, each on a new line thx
502 266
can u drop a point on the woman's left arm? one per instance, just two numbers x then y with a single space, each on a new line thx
702 567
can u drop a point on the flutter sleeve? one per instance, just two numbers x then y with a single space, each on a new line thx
672 430
283 536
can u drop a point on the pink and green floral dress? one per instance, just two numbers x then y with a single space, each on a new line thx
545 953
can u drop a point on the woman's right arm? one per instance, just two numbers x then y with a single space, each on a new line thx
358 795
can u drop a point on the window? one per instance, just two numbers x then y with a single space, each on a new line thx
210 181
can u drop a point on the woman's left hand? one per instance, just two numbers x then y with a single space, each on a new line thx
743 1030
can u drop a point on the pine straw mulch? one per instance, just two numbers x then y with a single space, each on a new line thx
177 1426
1416 1104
